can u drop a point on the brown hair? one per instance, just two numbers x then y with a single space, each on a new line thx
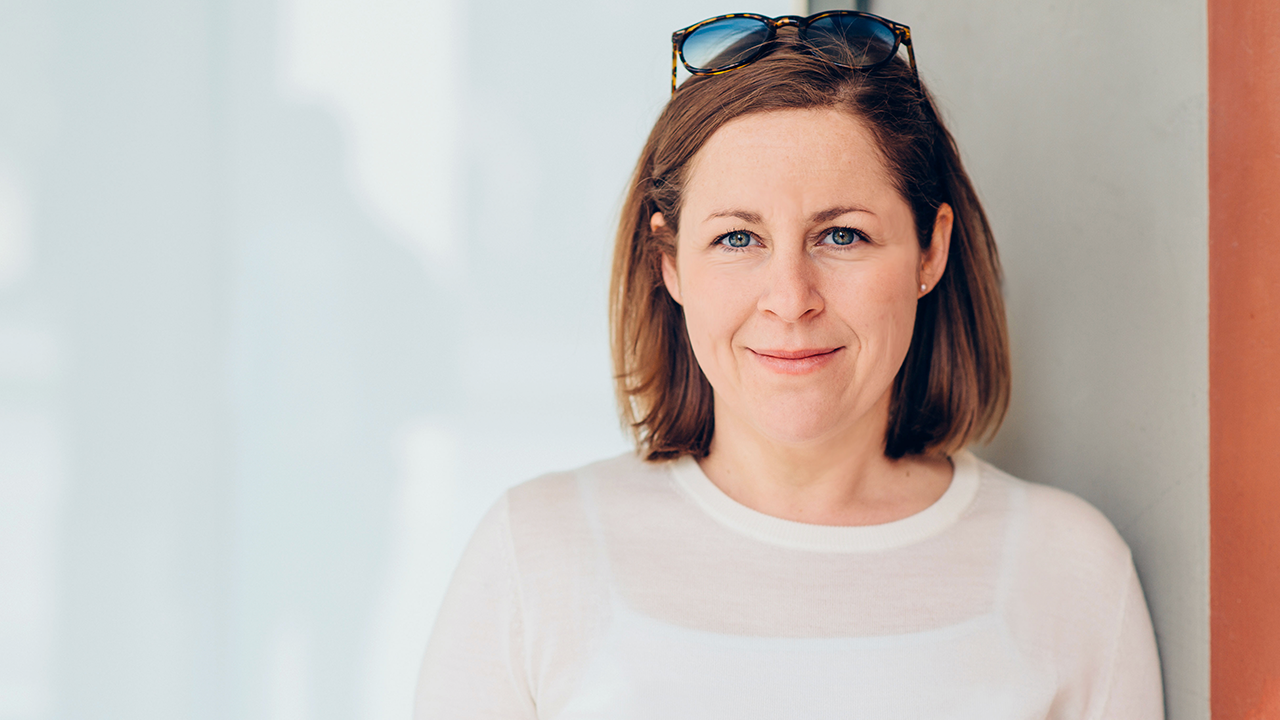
953 386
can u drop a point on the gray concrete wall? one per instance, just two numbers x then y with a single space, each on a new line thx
1084 126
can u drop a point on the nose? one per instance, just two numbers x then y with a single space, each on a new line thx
791 288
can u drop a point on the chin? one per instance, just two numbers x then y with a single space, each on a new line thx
800 423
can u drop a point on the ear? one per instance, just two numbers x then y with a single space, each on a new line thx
670 278
934 260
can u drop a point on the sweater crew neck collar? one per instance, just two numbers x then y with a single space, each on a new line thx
931 521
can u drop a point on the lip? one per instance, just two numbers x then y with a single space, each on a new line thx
796 362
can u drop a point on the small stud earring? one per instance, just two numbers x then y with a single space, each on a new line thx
922 287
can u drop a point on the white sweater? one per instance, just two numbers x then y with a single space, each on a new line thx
629 590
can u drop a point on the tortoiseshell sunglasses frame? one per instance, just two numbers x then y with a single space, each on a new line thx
901 37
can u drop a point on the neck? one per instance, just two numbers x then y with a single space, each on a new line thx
841 479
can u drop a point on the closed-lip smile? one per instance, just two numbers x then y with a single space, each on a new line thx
795 362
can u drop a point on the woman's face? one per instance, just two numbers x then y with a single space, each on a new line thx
798 268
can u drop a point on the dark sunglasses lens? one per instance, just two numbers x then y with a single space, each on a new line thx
851 40
724 43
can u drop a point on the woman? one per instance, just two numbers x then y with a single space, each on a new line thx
807 333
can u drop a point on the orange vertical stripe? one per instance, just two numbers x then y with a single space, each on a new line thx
1244 358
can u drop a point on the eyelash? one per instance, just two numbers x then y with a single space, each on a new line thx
858 234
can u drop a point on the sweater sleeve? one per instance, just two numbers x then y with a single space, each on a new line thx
474 665
1134 689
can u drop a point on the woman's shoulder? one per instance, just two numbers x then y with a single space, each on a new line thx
564 489
1071 595
565 501
556 536
1060 525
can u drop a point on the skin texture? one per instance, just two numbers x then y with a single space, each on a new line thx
802 331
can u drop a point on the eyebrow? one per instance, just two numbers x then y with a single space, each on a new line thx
743 215
835 212
816 219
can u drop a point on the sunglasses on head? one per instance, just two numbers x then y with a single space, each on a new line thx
847 38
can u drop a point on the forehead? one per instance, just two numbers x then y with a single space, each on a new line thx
817 155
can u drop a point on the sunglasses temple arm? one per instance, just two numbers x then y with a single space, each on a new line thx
673 68
911 52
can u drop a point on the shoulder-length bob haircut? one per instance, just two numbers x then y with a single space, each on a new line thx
953 386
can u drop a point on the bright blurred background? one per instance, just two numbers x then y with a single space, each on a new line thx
291 291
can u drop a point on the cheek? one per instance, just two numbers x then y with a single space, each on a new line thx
716 305
880 308
901 327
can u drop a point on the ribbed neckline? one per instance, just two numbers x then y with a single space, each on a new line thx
934 519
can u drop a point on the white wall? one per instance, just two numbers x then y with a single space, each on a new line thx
1084 127
290 292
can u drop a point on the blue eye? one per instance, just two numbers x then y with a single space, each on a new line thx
736 239
843 236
